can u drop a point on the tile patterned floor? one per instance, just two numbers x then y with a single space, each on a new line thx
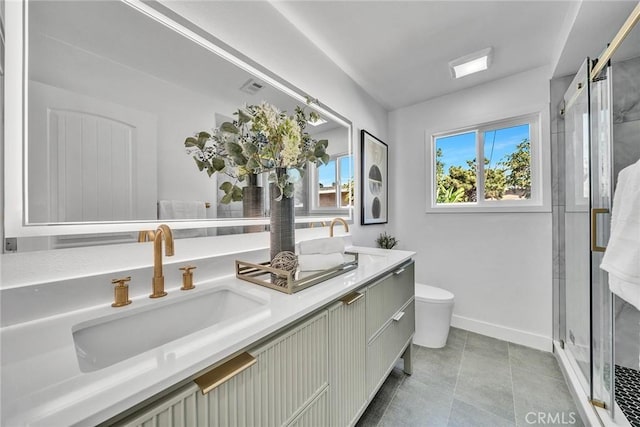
474 381
628 393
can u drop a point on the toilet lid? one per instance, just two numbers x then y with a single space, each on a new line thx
432 294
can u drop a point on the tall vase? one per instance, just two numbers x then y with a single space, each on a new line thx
252 203
282 224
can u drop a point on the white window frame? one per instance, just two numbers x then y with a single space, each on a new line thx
314 188
539 200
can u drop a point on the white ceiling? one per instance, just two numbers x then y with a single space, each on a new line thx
595 25
398 51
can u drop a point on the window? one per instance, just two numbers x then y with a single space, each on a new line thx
508 176
333 184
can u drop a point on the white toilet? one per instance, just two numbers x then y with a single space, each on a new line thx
434 307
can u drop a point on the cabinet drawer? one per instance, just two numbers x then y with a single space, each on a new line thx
386 296
387 346
290 372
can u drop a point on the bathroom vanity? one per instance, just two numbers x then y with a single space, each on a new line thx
316 357
68 356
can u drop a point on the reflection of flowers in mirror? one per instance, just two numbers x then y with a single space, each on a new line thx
261 139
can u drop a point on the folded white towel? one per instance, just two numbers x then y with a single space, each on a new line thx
327 245
622 257
314 262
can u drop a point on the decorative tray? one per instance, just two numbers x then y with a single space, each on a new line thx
290 282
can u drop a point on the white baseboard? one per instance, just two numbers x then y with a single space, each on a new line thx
516 336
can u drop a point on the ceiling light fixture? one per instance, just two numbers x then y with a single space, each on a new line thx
472 63
317 122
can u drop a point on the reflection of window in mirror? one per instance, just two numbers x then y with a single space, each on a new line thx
298 188
333 184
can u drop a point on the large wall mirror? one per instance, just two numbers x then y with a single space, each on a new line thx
111 91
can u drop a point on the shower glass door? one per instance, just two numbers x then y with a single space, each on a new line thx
577 298
601 199
587 300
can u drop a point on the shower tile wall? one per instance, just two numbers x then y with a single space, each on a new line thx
626 150
558 87
626 113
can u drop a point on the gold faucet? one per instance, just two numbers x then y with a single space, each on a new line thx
162 233
336 220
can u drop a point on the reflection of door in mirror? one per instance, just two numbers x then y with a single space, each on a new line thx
100 161
102 68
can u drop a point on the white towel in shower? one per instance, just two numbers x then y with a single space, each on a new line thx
326 245
622 256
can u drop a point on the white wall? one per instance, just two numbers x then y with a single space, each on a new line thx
258 31
338 143
498 265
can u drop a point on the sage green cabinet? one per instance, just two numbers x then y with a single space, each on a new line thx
387 295
290 373
390 321
316 414
347 358
322 371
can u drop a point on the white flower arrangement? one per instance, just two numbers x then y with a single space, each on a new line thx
261 139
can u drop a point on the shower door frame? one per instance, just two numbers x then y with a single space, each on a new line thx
596 384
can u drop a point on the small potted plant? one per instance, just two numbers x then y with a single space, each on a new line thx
386 241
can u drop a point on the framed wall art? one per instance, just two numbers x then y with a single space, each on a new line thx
375 180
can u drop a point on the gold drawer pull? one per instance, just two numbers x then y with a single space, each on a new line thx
351 298
399 271
594 229
398 316
224 372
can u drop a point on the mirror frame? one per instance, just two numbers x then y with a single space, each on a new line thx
15 137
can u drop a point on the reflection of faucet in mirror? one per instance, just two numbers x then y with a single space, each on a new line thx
336 220
162 233
146 236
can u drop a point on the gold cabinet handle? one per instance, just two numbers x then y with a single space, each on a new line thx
223 373
351 298
594 229
399 315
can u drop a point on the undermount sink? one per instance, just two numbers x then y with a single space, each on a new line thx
103 342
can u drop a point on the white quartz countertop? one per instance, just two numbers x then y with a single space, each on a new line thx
42 384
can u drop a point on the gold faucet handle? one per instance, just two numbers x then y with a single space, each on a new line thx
121 282
121 292
187 277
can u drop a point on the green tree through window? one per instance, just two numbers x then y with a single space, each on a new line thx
508 178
